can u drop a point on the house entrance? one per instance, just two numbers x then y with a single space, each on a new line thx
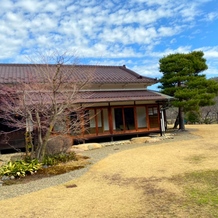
124 119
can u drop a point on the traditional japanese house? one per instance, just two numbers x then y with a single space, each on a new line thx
119 104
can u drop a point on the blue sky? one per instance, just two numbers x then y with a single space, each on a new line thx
136 33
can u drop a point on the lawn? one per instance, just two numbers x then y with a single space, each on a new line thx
171 178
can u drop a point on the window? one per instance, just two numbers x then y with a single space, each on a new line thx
89 121
129 118
153 117
152 111
96 121
141 117
102 119
123 119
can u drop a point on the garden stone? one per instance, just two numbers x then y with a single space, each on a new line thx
122 142
169 136
16 157
5 178
59 144
88 146
155 139
140 139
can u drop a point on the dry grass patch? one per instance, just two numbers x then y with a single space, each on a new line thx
196 159
174 178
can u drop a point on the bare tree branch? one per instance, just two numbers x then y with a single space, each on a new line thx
45 100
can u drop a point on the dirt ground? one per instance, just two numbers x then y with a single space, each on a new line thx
133 183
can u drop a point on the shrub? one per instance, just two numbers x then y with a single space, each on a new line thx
192 117
20 168
51 160
27 166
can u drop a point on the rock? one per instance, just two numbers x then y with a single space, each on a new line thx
11 157
59 144
92 146
82 147
122 142
140 139
157 139
152 138
145 139
76 150
12 177
169 136
87 146
17 157
5 178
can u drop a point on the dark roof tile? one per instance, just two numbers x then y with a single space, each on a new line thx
117 96
18 73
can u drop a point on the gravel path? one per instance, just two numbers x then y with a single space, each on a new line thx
95 155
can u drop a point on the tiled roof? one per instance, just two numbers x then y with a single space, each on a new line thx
118 96
99 96
19 73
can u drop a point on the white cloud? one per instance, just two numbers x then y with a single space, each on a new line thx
172 41
212 16
111 30
168 31
153 2
29 6
51 7
210 52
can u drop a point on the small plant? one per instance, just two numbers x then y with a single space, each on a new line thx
20 168
51 160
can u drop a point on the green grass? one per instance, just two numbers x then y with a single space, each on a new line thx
201 190
196 159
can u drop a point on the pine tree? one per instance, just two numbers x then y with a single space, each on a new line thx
183 79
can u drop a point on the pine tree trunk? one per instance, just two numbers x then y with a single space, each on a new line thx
181 119
176 122
165 119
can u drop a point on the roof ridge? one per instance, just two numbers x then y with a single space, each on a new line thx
13 64
136 74
79 65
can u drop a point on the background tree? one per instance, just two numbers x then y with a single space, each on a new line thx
44 101
209 114
183 79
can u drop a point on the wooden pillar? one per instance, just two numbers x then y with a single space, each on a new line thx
96 120
110 119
